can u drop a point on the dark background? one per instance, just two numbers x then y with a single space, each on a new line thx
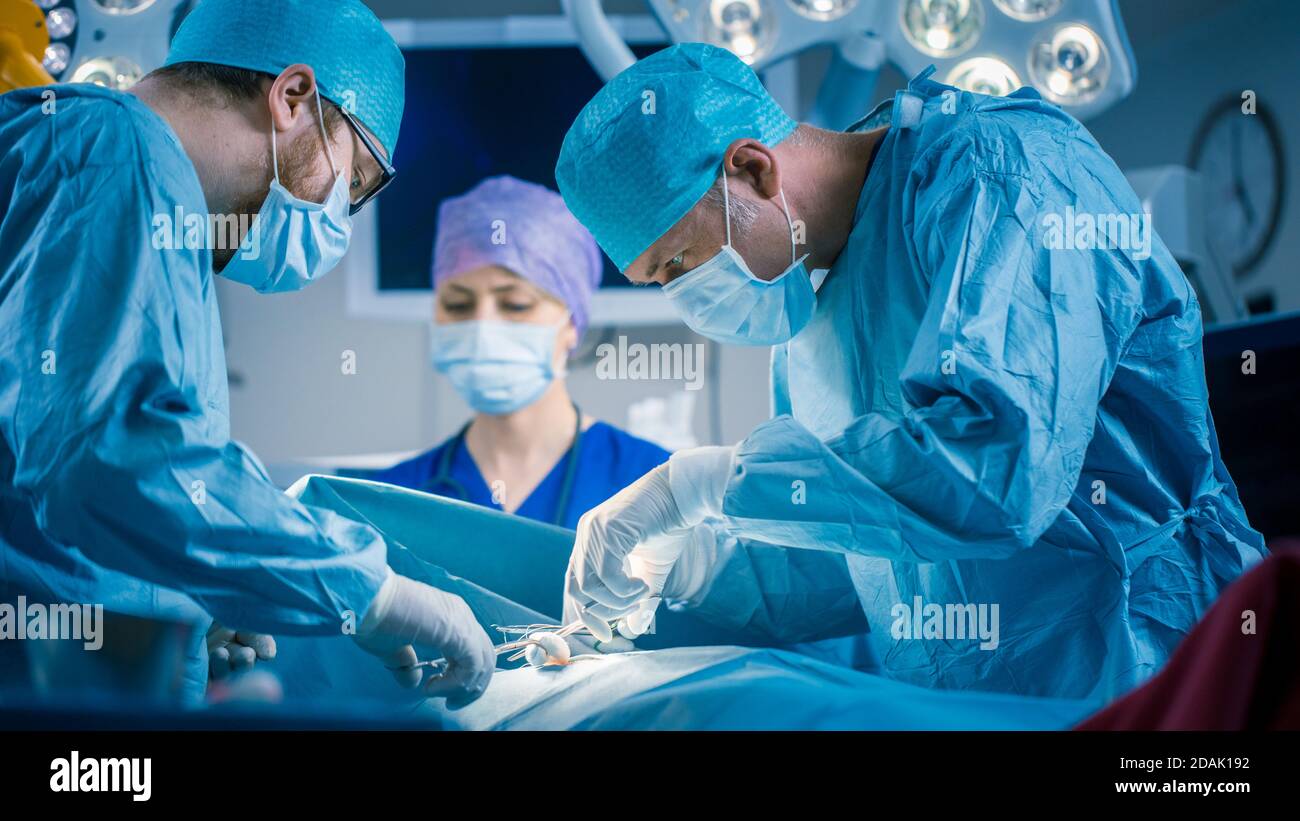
471 114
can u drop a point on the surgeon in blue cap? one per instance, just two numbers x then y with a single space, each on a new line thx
983 418
246 155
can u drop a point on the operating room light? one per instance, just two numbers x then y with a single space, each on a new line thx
739 25
110 42
984 75
1030 11
942 28
57 57
1091 70
123 6
1071 66
111 72
61 23
824 10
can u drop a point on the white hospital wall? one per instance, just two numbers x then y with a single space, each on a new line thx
291 400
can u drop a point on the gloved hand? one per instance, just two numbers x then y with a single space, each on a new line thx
231 651
406 613
676 567
627 547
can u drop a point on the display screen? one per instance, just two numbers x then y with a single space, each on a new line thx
473 113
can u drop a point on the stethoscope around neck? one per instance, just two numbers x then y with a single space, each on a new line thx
442 477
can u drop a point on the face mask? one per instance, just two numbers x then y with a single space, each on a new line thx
496 367
723 300
294 242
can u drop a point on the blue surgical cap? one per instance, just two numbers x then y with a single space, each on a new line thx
357 64
649 145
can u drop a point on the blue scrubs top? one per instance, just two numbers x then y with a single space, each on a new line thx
608 461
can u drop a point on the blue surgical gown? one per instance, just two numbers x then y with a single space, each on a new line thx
974 418
608 461
119 483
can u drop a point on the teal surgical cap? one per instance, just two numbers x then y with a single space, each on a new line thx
357 64
649 145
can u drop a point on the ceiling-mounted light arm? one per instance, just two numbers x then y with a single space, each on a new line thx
848 90
604 47
865 51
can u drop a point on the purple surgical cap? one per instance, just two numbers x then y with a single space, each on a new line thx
526 229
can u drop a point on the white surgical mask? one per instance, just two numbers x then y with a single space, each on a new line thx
722 299
497 367
297 241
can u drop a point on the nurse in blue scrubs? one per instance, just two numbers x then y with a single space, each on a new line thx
513 275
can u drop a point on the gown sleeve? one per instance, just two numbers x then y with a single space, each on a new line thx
768 595
1001 389
115 404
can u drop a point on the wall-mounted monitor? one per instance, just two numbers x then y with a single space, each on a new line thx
483 97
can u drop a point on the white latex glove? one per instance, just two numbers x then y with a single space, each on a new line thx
627 547
407 613
677 568
231 651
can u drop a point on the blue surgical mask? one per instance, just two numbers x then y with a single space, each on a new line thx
722 299
294 242
496 367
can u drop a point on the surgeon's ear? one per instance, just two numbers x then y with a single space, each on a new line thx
292 97
751 161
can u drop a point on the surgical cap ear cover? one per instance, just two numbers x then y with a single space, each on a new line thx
358 65
647 147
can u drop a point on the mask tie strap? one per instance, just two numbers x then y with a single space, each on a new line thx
789 222
320 112
275 158
726 203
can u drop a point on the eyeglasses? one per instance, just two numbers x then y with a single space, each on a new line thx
386 170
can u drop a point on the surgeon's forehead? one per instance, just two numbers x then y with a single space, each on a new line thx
678 238
493 278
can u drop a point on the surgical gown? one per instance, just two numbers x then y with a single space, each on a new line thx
119 483
975 418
